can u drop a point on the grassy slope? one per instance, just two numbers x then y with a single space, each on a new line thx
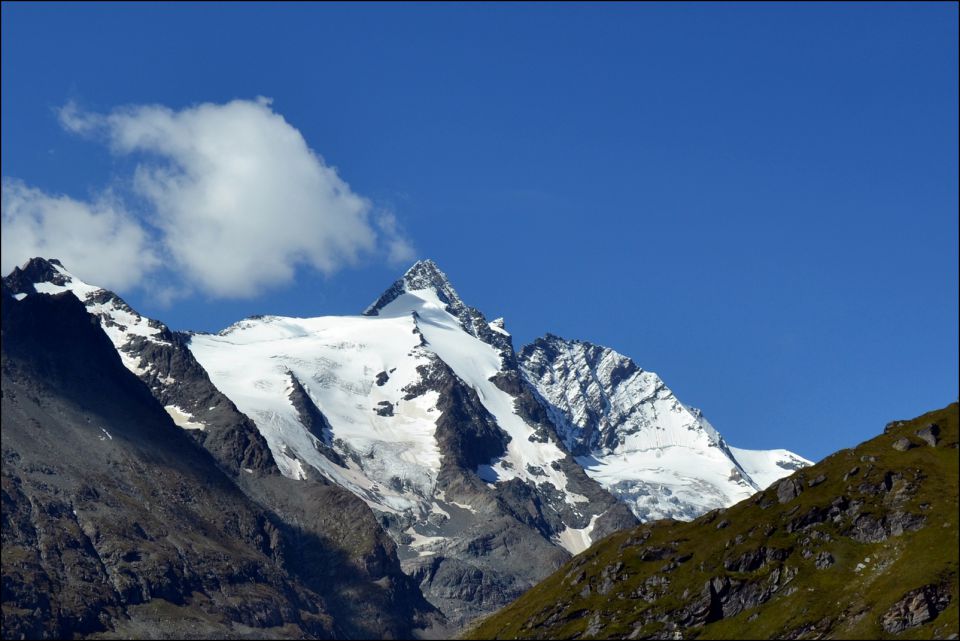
840 601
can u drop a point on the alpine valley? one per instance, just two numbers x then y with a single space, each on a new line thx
395 474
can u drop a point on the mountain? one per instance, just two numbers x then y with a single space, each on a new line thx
632 435
112 518
161 360
418 407
864 544
472 469
117 520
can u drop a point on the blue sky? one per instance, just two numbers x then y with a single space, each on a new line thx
758 202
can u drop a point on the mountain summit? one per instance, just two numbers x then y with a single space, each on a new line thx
422 275
424 284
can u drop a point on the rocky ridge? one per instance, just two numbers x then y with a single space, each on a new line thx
861 545
630 433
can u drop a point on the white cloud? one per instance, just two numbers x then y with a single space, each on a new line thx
98 240
76 121
238 198
399 249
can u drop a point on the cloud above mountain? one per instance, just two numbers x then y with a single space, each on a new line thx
230 198
108 245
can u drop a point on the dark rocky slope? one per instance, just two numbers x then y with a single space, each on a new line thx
115 522
334 542
863 544
169 370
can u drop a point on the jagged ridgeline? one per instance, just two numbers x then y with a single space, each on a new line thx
862 545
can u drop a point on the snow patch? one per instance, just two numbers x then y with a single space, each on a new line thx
463 506
671 482
575 540
73 284
424 545
497 326
183 418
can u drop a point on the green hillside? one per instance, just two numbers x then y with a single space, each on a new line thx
862 545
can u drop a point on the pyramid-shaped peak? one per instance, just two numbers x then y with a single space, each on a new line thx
422 275
424 266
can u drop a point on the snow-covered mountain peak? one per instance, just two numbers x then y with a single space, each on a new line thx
425 286
424 275
258 320
633 435
359 372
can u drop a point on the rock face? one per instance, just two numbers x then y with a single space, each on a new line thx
632 435
116 520
868 551
110 511
916 608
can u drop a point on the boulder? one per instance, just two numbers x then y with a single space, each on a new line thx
930 434
788 489
903 444
823 560
814 482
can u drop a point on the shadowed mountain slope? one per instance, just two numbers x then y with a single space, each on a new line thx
116 522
